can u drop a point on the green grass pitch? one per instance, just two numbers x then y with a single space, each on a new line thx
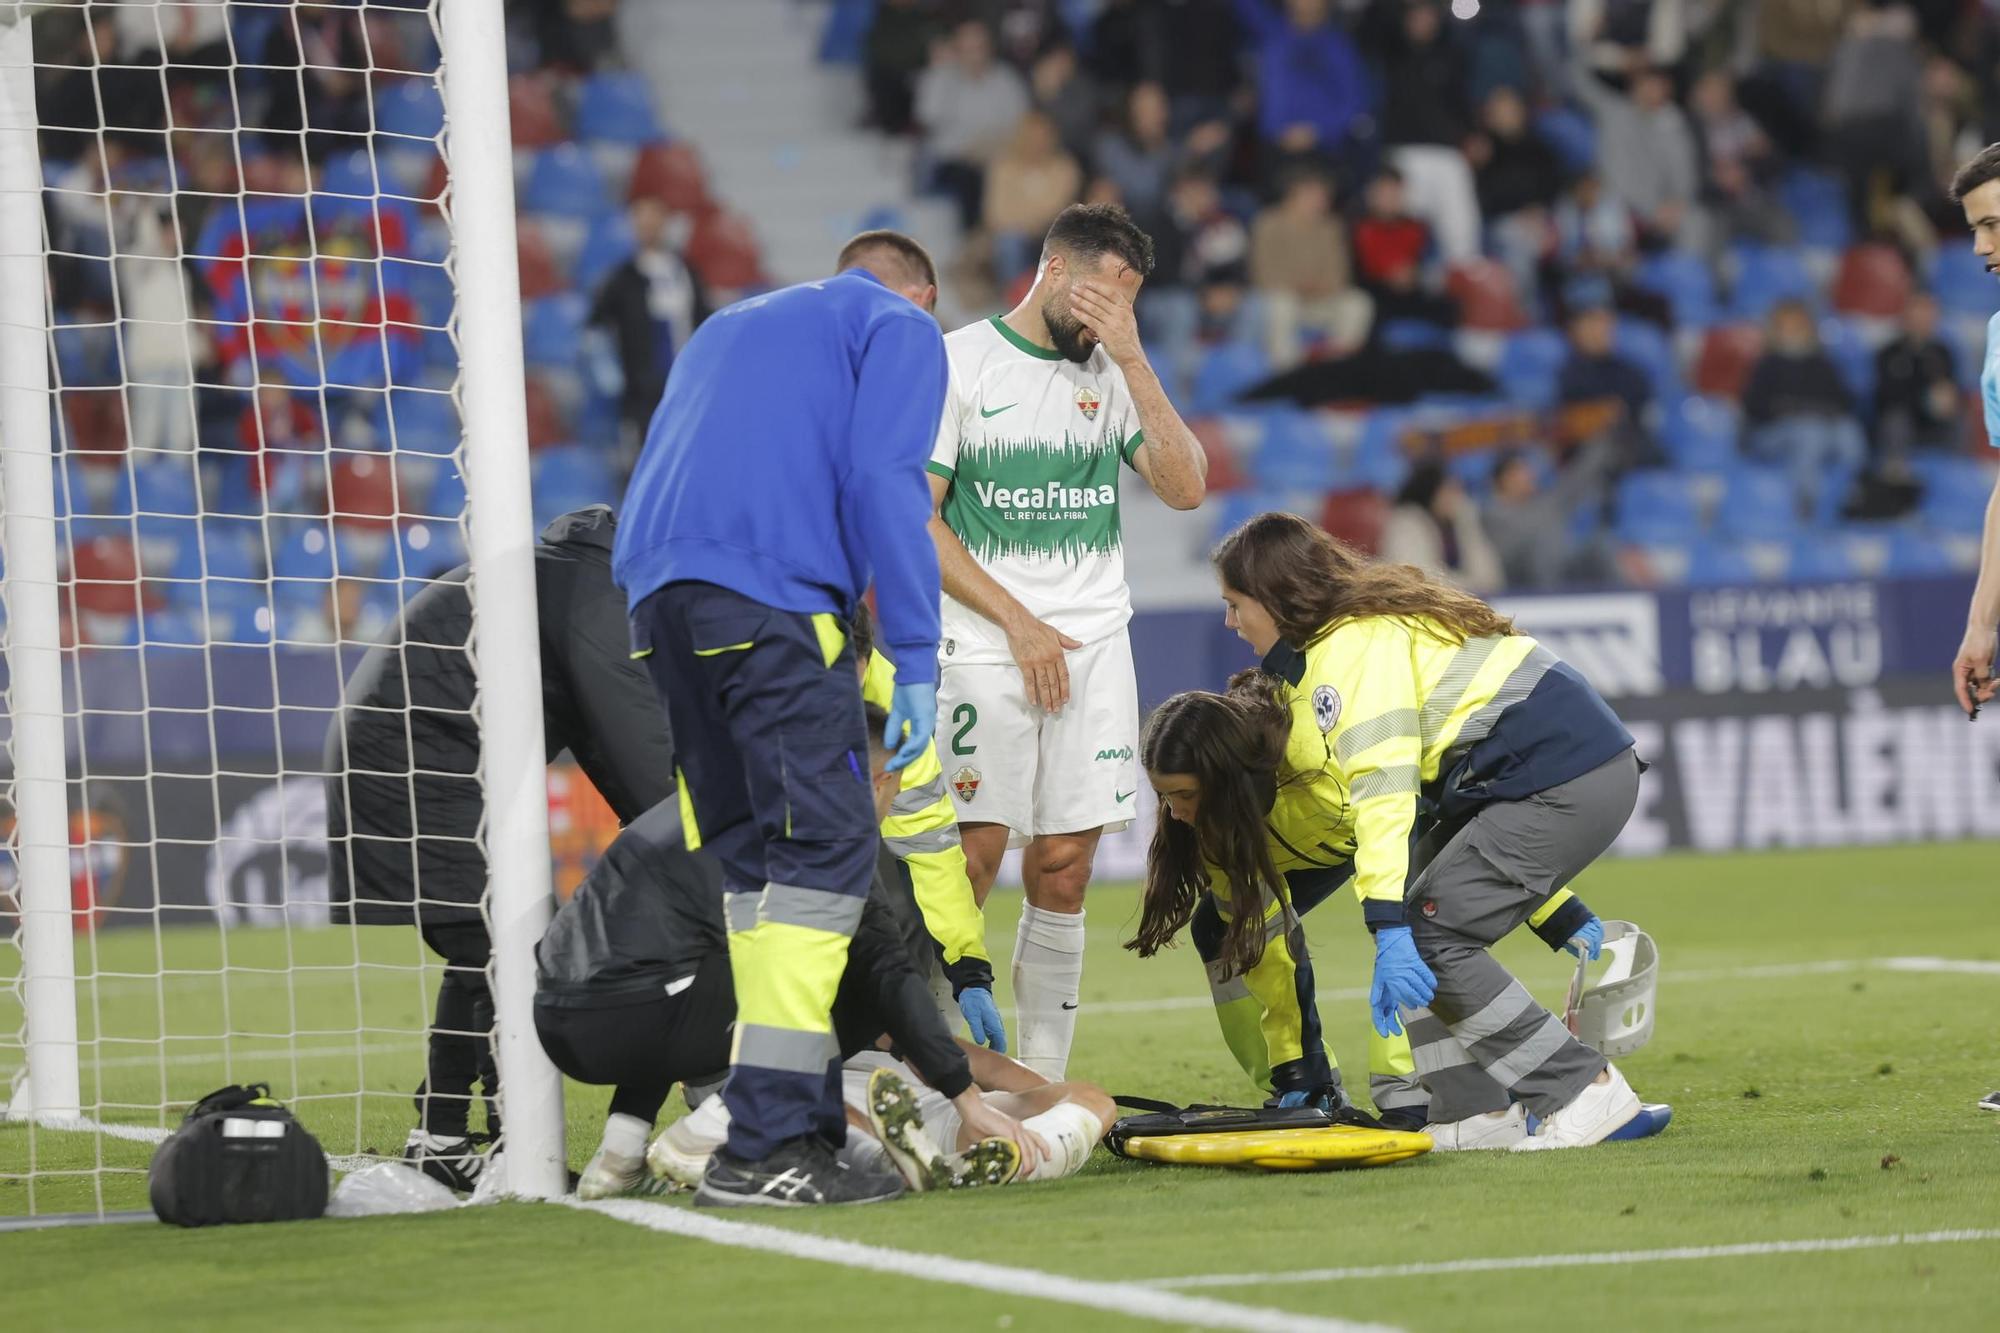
1819 1093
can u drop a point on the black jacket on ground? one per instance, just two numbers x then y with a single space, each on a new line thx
651 912
403 798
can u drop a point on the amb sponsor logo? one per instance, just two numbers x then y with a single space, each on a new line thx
1122 752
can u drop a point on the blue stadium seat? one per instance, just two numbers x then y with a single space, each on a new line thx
617 108
429 288
1817 203
169 546
1642 343
572 476
173 625
424 421
1821 557
1295 453
443 498
564 181
1529 364
1225 373
1759 504
552 330
350 174
1379 461
1232 510
239 613
428 550
93 484
1956 489
1715 562
1572 135
411 107
1686 283
1960 282
1914 554
232 548
1700 433
1766 275
161 484
608 244
1852 357
1412 335
1657 508
844 39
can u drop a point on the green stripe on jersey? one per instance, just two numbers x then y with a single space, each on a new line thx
1035 497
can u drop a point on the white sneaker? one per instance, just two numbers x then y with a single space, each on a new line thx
681 1152
610 1176
1494 1129
1598 1112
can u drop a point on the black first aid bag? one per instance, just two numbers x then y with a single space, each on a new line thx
239 1156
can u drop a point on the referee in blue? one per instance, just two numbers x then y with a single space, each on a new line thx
783 471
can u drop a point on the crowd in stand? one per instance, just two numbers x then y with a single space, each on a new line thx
1733 212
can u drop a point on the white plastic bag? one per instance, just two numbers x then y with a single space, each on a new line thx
389 1187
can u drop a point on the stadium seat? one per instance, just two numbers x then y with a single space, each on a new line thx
1356 517
673 174
1873 281
423 421
350 174
1714 562
1956 489
723 250
1657 508
572 476
1572 135
410 170
541 275
548 424
1225 473
1487 299
361 491
1225 372
531 104
302 558
173 626
1295 454
1530 363
1961 283
232 548
1821 557
1817 202
239 613
1642 343
1849 350
1914 554
1759 504
1686 283
430 549
1766 275
1380 462
1728 354
94 484
617 107
1700 433
552 331
169 546
564 181
104 572
442 494
1412 335
161 484
608 244
410 107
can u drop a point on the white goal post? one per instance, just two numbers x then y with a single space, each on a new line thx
180 605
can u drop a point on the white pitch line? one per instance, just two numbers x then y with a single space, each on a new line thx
411 1042
1123 1298
1608 1258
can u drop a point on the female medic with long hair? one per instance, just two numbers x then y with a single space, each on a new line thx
1408 696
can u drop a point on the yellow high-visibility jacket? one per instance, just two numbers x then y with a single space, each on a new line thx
922 830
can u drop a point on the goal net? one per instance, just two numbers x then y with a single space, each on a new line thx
230 275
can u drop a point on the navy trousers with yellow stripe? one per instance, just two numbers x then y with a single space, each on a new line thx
772 749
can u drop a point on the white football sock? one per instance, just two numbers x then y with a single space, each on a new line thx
625 1136
1048 972
1071 1131
702 1130
862 1150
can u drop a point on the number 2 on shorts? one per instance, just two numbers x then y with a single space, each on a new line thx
965 716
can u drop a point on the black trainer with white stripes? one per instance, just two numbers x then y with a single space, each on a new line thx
800 1174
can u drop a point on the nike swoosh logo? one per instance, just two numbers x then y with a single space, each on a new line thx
1069 1006
1125 796
998 410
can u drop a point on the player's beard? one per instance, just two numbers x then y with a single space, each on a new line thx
1066 331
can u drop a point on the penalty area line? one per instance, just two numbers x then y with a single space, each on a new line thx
1606 1258
1131 1299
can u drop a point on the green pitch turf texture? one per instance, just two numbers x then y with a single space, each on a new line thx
1818 1094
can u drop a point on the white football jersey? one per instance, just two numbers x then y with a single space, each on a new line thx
1031 444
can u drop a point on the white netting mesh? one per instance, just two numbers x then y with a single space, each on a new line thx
252 376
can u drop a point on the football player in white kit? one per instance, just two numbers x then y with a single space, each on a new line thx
1037 702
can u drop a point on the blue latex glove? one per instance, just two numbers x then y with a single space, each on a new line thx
1296 1097
912 710
983 1017
1590 936
1402 979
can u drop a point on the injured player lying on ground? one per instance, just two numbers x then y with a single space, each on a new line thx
892 1112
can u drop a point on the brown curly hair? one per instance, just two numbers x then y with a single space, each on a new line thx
1310 583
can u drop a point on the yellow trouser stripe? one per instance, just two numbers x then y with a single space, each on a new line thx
725 648
786 976
832 635
690 828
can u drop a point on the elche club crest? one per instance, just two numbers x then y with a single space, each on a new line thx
966 782
1087 402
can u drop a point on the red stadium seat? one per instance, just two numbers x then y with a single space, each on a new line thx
363 491
105 575
1728 354
95 420
673 174
1873 282
723 250
531 104
541 275
1225 473
1357 518
546 423
1487 301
